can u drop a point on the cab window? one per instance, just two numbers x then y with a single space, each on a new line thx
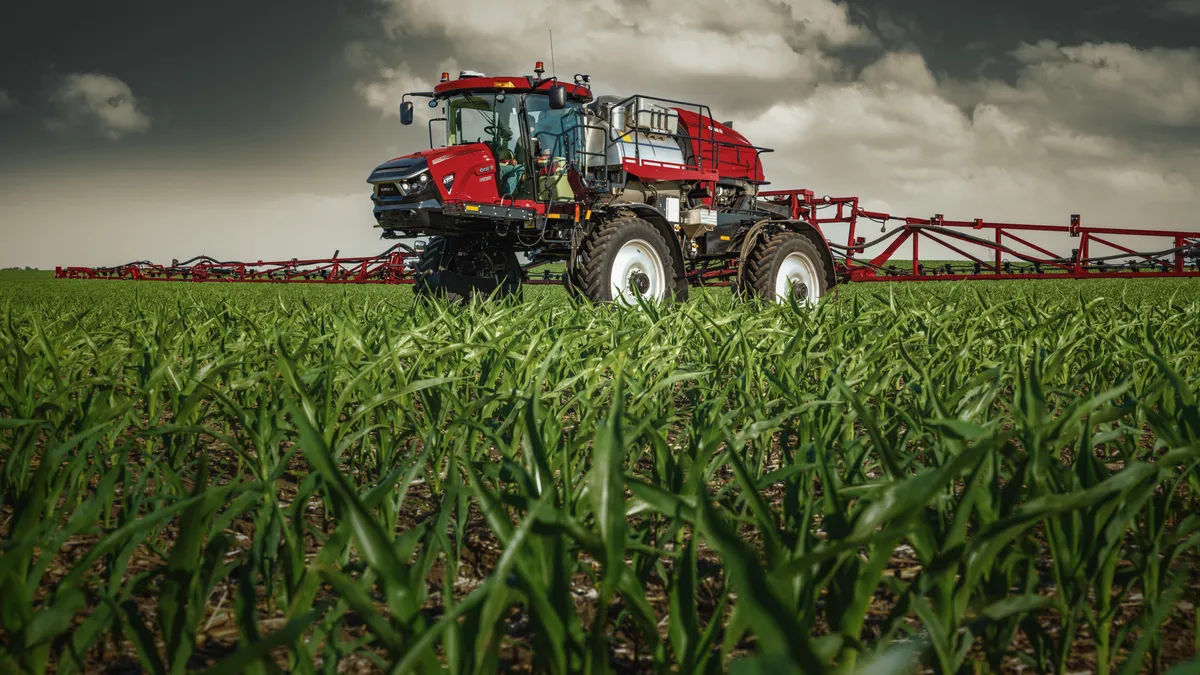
490 119
558 132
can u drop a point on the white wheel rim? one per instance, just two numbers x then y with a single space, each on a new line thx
637 265
799 273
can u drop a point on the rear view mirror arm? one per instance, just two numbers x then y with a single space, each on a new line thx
406 106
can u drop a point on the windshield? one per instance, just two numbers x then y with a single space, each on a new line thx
496 120
484 118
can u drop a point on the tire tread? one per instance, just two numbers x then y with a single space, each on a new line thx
590 273
763 260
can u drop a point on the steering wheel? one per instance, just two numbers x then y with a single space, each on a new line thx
494 131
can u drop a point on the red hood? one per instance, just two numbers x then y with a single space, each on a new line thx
473 168
449 151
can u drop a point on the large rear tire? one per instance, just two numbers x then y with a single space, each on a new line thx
786 264
624 257
451 268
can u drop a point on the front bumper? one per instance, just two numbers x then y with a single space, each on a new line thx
407 215
404 196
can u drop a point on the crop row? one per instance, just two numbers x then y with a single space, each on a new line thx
252 479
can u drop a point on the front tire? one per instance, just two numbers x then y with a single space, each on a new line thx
623 258
787 265
450 268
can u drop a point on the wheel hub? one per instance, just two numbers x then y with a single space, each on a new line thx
639 281
800 274
637 269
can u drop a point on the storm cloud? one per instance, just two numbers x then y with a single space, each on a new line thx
101 102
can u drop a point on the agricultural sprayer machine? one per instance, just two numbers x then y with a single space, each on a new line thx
644 196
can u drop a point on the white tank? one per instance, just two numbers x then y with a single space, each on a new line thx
644 147
641 136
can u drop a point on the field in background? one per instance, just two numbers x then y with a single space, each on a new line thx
337 479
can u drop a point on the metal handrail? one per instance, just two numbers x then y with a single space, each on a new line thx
701 110
575 155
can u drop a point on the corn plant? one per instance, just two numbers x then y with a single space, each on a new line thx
959 478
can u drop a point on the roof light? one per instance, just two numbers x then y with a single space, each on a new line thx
445 76
539 68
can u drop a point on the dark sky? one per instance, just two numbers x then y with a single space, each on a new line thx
962 38
248 128
224 81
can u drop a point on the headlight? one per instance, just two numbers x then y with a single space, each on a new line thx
412 185
418 181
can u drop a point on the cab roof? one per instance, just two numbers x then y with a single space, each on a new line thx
516 84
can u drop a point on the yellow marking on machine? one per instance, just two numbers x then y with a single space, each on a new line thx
724 238
472 207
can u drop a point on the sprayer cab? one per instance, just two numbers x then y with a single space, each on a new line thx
499 135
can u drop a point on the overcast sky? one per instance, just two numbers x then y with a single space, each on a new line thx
150 130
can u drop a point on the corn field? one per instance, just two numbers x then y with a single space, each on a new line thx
952 478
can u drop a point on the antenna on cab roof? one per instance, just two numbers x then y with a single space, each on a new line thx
553 70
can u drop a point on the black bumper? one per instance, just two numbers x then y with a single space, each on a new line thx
408 215
410 218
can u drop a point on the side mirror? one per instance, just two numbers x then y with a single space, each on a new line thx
406 113
558 97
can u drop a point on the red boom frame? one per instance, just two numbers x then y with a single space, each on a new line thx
390 267
982 244
984 255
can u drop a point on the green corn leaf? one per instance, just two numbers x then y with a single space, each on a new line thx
773 624
684 626
375 544
362 604
261 649
54 618
608 489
